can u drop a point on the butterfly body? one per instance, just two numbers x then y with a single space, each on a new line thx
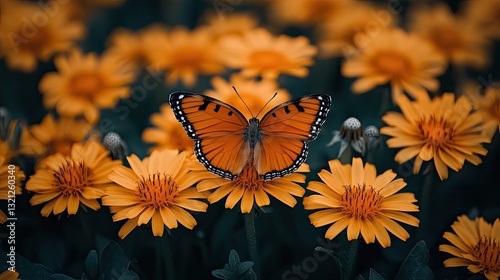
225 141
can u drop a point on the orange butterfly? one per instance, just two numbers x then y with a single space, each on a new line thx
225 141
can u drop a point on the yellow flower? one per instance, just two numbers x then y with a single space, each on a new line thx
303 12
255 94
85 83
356 198
258 52
488 105
28 34
229 24
167 133
184 54
484 14
405 61
9 275
460 41
354 27
476 245
53 136
10 183
439 130
156 189
250 188
66 181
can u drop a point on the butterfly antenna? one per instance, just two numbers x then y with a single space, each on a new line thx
274 95
243 101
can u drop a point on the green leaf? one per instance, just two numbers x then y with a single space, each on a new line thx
60 277
359 277
374 275
415 266
224 274
113 262
129 275
92 264
250 275
234 259
28 270
244 267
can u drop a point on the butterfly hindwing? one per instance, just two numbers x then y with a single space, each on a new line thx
217 129
286 129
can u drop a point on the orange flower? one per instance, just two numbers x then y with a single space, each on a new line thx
488 105
227 25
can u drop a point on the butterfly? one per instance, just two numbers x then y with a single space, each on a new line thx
225 141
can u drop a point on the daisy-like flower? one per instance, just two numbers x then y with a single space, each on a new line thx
86 83
460 41
255 94
356 198
251 189
53 136
167 133
66 181
258 52
485 15
303 12
441 130
476 245
351 132
352 28
11 178
29 34
488 105
405 61
184 54
229 24
157 189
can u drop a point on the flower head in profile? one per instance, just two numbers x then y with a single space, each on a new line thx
26 40
84 84
344 33
53 136
258 52
167 132
184 54
255 94
157 189
476 245
66 181
350 133
251 189
488 105
462 42
9 173
408 63
354 197
441 130
227 25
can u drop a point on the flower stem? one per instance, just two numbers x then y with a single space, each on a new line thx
351 257
252 242
425 205
167 258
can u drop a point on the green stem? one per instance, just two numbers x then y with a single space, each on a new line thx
352 256
425 206
386 100
252 242
346 156
167 258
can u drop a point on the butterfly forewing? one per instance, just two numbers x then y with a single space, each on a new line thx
217 129
285 130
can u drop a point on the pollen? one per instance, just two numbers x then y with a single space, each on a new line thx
72 178
86 84
487 253
436 132
249 179
361 202
157 191
392 64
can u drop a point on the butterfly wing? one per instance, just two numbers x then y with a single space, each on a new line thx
217 129
285 132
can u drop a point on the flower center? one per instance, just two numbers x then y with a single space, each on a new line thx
268 59
361 202
72 178
157 191
392 64
435 132
62 146
495 109
249 179
487 253
86 84
36 43
447 39
186 57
